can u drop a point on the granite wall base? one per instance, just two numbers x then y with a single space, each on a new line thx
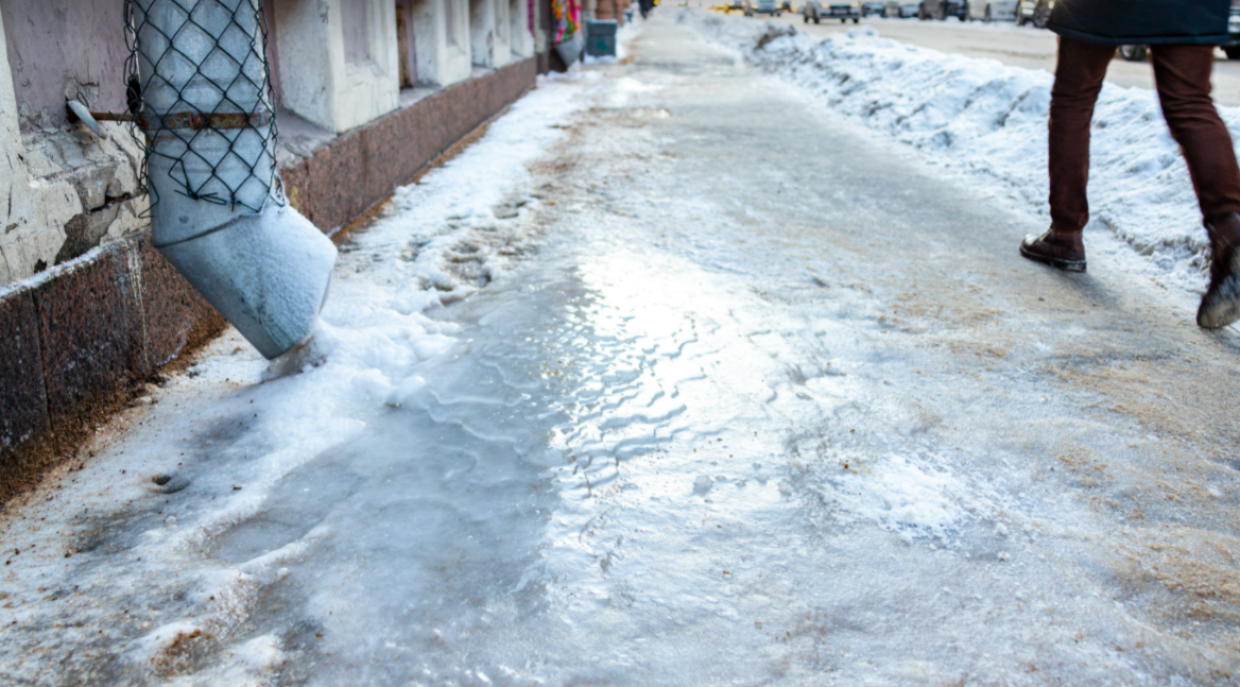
78 342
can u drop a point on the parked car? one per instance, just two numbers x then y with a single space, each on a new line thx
942 9
998 10
772 7
873 7
1036 12
901 9
817 10
1232 46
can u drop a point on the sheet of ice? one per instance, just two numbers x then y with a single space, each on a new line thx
987 122
247 426
653 455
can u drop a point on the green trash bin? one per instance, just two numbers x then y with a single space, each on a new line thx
601 37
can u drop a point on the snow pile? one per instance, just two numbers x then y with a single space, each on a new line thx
989 121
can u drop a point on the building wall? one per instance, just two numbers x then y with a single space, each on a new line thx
481 32
339 65
66 190
542 25
520 18
370 83
499 32
441 41
58 49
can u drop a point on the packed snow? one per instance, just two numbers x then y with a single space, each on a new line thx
987 121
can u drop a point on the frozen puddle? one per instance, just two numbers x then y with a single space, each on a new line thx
663 433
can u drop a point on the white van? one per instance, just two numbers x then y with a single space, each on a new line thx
994 10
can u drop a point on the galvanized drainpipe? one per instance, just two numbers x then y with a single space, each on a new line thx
266 270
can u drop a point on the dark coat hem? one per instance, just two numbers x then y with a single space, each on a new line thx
1139 40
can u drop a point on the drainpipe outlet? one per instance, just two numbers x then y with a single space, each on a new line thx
210 129
267 273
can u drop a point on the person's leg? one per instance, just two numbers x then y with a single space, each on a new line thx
1182 73
1078 79
1079 74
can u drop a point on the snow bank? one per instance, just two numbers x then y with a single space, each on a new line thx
988 121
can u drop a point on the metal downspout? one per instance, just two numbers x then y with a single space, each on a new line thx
218 215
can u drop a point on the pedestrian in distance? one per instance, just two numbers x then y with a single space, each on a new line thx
1182 35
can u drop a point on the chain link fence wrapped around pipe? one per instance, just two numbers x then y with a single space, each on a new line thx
200 89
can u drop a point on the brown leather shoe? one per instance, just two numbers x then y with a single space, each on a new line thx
1221 304
1060 249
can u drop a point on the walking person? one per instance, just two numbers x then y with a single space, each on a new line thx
1182 35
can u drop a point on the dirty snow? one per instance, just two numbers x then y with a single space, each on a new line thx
986 123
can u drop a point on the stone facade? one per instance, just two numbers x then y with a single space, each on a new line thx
370 92
65 190
338 60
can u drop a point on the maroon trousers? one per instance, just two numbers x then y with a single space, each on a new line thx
1182 74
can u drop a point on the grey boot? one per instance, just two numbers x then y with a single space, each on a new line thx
1221 304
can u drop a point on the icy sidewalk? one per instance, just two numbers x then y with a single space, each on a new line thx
710 428
986 123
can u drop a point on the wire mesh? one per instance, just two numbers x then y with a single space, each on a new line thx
199 87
